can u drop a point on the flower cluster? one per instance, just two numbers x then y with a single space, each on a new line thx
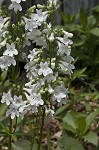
44 64
15 4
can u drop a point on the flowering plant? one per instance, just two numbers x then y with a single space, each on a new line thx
45 63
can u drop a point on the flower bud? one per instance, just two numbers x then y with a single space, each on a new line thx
40 6
14 85
13 26
70 35
17 39
51 38
42 91
3 43
18 86
31 9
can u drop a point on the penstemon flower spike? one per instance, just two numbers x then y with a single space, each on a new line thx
44 64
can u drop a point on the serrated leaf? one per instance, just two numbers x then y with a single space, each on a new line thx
92 138
90 118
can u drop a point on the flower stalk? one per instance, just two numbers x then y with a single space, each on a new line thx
10 136
41 129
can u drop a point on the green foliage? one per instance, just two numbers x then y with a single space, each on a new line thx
85 30
77 125
69 143
21 145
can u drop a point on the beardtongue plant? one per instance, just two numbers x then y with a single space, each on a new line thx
46 62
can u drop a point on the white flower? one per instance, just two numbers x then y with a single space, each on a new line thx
31 69
63 49
17 100
60 92
13 111
6 61
31 23
32 88
50 78
18 1
10 51
66 67
40 41
41 16
33 108
32 54
7 98
50 90
65 40
34 99
67 34
52 2
33 34
51 38
15 6
68 59
44 69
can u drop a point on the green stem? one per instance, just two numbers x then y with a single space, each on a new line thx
33 134
39 144
10 132
50 51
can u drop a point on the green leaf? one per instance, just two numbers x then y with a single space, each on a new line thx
3 76
21 145
90 118
92 138
96 9
79 73
95 31
60 110
70 143
3 108
70 120
88 106
83 19
4 128
78 43
16 147
68 127
81 124
7 83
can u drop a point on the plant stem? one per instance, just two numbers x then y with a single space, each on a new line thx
10 132
39 144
